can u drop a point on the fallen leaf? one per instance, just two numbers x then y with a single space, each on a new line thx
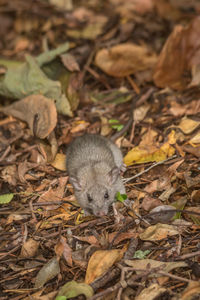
125 59
191 181
6 198
100 262
147 153
23 79
158 232
142 265
91 239
195 196
150 293
53 195
149 203
38 111
162 214
188 125
79 125
193 150
62 248
62 4
93 27
180 55
195 139
192 291
128 9
140 112
48 271
73 289
70 62
9 174
59 162
29 248
195 219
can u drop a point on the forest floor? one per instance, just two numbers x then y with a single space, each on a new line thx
128 70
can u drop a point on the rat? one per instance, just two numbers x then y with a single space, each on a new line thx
93 165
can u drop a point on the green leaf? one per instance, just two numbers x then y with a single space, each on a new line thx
113 121
121 197
27 78
6 198
73 289
141 254
115 124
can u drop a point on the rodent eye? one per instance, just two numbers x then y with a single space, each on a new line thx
106 196
89 198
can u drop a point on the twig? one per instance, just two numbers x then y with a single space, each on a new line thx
149 168
175 277
188 255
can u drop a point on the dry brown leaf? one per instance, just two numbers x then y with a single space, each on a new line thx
149 203
129 8
192 291
195 196
9 174
125 59
150 293
79 125
62 248
47 272
180 55
100 262
29 249
53 195
190 149
143 264
162 214
69 62
38 111
190 108
140 112
194 218
191 181
158 232
91 239
188 125
59 162
23 167
195 139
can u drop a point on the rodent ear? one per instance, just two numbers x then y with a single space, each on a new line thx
75 182
113 174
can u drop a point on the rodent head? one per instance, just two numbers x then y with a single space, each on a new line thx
96 197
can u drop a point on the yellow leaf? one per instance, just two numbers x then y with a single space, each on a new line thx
59 162
148 153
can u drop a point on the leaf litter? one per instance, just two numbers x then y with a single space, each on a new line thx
71 68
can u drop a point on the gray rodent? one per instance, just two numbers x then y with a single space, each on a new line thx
93 165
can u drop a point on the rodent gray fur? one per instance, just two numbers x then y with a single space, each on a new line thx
94 164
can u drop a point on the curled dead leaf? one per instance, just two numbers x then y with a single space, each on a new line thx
125 59
29 248
38 111
179 56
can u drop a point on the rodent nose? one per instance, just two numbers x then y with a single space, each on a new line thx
101 213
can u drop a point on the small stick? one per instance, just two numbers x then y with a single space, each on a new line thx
188 255
151 167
